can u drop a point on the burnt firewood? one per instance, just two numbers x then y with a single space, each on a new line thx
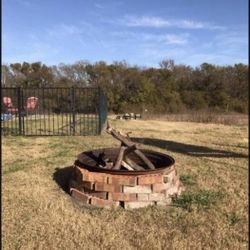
103 161
109 164
129 149
129 143
131 163
119 158
127 166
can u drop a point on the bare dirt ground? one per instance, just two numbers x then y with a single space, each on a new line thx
212 160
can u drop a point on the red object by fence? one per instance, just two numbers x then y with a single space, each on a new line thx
31 104
8 103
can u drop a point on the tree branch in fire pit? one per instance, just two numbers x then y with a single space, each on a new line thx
133 164
119 158
127 166
127 142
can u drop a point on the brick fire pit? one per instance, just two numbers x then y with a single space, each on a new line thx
127 176
122 188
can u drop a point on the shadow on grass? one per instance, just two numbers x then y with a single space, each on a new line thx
62 176
188 149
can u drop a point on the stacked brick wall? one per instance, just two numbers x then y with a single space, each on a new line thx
128 191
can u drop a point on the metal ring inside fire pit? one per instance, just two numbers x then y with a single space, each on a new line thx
88 160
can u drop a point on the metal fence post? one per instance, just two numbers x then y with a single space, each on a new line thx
73 109
19 103
99 111
102 109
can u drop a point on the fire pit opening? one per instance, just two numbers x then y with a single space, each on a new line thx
124 177
91 161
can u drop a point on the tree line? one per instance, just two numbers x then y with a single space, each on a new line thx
170 88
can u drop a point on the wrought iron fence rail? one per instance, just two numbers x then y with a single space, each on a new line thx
53 111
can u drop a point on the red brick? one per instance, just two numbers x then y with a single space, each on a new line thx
122 196
149 179
103 203
88 185
107 187
122 180
91 176
140 189
169 177
80 195
142 197
173 173
102 195
170 169
157 197
95 177
83 174
82 185
82 170
158 188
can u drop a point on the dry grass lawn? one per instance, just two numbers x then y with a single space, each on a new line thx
212 160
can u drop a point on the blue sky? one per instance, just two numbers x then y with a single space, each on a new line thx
141 32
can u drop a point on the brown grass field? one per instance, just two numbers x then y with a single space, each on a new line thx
212 213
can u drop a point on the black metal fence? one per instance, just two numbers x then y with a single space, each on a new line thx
52 111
